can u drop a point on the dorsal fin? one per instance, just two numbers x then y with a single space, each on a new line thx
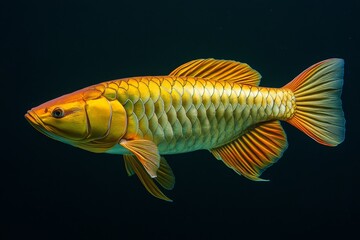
222 70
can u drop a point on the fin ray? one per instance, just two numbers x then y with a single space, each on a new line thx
254 151
144 177
165 176
146 152
129 169
317 93
221 70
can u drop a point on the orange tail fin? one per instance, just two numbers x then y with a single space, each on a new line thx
317 93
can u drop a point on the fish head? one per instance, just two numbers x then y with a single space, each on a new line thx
85 119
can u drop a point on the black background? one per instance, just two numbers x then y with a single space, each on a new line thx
51 190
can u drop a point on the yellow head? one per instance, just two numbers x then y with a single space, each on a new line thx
85 119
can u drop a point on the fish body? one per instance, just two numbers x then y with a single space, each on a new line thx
182 114
203 104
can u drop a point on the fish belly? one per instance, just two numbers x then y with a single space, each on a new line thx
183 114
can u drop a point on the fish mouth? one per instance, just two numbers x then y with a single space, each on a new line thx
33 119
36 122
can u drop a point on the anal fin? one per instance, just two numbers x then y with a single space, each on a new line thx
254 151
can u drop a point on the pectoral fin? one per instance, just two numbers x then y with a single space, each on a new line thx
133 165
146 152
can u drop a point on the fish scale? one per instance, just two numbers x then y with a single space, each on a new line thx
182 113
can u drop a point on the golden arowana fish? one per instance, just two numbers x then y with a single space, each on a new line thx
203 104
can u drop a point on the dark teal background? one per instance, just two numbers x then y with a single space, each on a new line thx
50 190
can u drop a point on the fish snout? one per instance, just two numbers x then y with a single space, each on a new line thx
33 119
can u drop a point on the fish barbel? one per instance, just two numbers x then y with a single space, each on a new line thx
210 104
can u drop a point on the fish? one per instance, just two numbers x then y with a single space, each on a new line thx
204 104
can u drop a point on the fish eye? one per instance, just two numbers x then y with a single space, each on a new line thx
57 112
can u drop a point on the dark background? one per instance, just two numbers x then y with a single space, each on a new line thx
51 190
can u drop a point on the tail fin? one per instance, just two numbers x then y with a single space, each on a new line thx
317 93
